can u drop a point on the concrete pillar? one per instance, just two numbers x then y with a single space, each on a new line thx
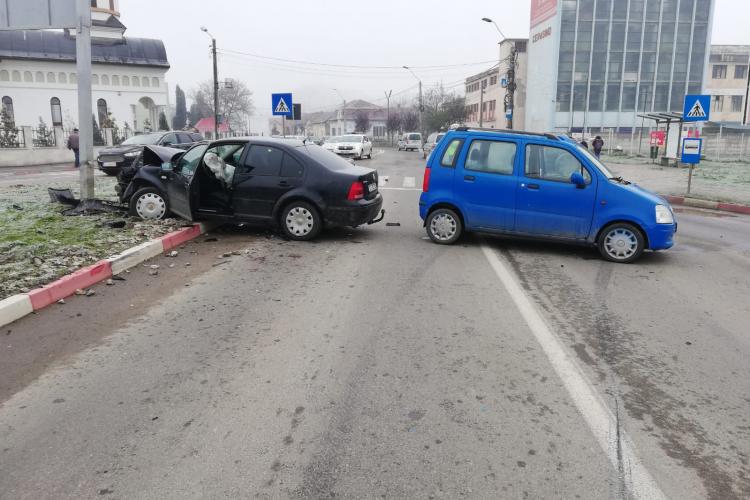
26 137
108 137
60 140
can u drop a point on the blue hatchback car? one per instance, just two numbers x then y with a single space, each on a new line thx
541 186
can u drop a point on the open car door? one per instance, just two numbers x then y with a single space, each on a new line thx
178 177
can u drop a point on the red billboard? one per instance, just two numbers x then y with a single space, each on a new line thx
541 10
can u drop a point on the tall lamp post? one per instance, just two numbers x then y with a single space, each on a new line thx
216 83
343 113
421 104
511 75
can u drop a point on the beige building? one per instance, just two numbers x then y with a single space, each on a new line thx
488 91
727 82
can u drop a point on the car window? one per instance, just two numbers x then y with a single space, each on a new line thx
552 164
196 137
184 138
189 161
291 167
451 153
263 160
414 137
230 153
491 156
169 139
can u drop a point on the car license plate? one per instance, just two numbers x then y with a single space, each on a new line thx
372 187
109 164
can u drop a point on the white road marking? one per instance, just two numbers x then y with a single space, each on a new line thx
618 446
409 182
383 181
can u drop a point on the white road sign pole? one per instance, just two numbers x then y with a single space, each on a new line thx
85 127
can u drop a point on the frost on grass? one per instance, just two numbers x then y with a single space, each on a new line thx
38 244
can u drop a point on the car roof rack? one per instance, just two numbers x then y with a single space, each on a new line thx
464 128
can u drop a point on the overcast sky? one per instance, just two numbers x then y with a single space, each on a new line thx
397 32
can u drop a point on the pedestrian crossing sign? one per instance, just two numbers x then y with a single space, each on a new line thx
281 104
697 108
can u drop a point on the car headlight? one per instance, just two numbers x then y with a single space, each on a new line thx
664 215
132 154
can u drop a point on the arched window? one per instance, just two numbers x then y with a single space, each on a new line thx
126 81
115 80
39 77
8 108
136 81
73 78
105 80
28 77
4 76
54 104
94 79
154 82
62 77
145 81
101 109
16 76
51 77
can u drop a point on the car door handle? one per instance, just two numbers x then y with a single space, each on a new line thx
283 184
532 186
469 178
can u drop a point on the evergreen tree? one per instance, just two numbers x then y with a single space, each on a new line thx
8 131
195 114
98 139
163 124
180 117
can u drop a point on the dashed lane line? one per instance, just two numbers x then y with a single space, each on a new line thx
604 425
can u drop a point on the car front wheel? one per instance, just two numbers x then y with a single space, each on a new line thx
300 221
149 203
444 226
622 243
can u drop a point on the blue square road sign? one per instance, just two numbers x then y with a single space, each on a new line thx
697 108
691 150
281 104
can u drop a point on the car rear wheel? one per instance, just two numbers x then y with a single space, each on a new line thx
622 243
300 221
444 226
149 203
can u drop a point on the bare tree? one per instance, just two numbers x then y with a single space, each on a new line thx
362 122
442 109
235 102
409 121
394 122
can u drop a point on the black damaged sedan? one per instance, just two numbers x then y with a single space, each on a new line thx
295 186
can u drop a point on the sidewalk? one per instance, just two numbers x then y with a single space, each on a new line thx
725 182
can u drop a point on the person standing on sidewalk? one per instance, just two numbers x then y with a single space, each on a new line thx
74 144
598 145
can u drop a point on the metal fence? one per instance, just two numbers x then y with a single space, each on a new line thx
43 138
12 138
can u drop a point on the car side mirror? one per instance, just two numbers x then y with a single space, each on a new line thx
166 166
577 179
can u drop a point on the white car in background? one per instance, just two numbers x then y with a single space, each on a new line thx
411 141
330 143
357 146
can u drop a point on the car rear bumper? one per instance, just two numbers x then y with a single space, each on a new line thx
113 169
357 214
661 236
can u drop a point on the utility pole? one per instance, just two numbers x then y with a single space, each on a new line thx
216 83
421 105
510 89
747 96
481 103
85 125
343 113
388 115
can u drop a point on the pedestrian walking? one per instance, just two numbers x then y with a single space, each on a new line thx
598 144
74 145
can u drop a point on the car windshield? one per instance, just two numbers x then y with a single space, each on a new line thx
351 138
597 163
328 159
414 137
333 140
142 140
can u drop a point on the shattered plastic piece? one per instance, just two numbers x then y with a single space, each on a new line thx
64 196
109 282
115 224
61 301
173 253
154 266
118 278
171 266
90 293
207 240
393 224
187 264
153 272
80 292
225 255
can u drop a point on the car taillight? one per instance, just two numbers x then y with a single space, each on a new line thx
356 191
426 180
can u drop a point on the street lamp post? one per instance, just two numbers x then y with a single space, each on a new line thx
511 75
421 104
343 113
216 83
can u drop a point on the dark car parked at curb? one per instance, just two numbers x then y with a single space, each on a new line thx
295 186
112 159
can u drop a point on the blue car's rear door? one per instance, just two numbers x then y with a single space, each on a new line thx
486 183
547 203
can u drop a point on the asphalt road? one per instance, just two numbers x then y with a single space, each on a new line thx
373 363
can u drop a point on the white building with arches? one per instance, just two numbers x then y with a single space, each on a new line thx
38 75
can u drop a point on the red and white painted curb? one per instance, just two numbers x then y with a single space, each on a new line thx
18 306
712 205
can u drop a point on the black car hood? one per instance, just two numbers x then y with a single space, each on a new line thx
120 150
156 155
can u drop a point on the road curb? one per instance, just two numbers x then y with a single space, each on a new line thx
712 205
18 306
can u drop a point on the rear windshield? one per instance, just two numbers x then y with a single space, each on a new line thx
147 139
413 137
326 158
351 138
